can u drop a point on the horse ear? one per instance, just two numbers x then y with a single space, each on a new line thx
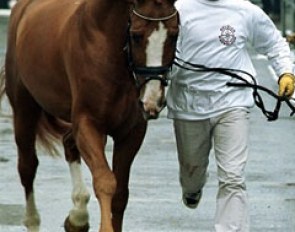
172 1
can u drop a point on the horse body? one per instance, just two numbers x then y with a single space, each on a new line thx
66 75
74 68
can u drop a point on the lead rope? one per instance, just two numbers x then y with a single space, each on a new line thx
270 115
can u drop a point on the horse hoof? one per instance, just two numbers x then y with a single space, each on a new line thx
69 227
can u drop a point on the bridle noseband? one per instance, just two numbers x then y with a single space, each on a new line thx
147 72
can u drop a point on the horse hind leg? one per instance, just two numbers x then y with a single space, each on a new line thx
78 218
26 114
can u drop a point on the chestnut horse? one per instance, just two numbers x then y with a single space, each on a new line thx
77 70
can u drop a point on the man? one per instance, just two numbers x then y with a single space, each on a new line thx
206 112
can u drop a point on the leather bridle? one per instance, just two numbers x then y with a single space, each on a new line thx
148 73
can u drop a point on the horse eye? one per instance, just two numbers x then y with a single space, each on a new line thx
174 38
136 37
173 34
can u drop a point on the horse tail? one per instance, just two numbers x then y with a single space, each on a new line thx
2 85
50 132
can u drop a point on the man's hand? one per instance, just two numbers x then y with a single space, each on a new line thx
286 85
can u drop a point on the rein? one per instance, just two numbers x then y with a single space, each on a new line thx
270 115
150 73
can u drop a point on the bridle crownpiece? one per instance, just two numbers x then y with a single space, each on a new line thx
164 18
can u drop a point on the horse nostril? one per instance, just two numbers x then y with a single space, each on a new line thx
162 103
140 104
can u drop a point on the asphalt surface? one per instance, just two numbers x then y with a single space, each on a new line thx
155 196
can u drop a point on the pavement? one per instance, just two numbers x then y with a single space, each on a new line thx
155 196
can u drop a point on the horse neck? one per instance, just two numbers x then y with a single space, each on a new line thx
110 16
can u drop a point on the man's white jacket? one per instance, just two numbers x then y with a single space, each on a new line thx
218 34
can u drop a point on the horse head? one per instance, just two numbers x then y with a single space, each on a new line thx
153 32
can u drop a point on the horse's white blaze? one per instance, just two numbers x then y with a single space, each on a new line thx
155 47
32 218
154 53
78 215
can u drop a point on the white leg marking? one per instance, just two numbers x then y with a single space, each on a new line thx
32 218
154 52
80 196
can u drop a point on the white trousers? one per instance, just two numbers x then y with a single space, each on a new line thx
228 134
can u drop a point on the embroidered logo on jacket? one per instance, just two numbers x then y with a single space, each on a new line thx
227 36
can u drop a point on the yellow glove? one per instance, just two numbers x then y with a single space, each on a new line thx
286 85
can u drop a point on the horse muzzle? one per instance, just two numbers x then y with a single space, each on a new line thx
152 112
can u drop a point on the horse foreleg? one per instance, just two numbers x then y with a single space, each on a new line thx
78 218
91 144
124 153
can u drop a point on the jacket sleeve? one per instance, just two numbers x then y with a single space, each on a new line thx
267 40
